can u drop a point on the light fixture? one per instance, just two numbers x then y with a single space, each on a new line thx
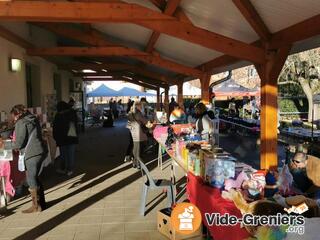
88 71
104 70
15 65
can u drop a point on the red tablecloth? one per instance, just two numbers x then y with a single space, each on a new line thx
209 200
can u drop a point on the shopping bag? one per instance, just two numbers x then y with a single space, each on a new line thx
72 132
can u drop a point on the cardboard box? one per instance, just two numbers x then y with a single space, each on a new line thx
165 228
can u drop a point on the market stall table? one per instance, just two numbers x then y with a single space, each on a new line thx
206 198
301 134
251 125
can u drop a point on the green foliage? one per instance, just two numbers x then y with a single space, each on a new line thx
293 105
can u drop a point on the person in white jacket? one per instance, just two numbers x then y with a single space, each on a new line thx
204 124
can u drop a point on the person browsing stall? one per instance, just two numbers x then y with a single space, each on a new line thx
137 124
304 169
29 142
204 124
66 136
177 115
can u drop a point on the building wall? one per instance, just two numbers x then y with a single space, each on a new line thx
13 88
12 85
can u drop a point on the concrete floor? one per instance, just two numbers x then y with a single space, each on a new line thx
101 200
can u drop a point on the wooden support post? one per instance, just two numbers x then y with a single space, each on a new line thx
166 100
180 94
269 73
205 82
158 99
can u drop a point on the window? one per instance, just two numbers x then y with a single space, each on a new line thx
252 72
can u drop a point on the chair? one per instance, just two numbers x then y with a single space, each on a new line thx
155 184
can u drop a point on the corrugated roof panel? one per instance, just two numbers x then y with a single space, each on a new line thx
219 16
129 33
144 3
278 15
184 52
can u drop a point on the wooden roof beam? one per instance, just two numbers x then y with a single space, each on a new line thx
119 67
286 37
12 37
113 51
96 38
298 32
121 74
86 12
253 18
169 10
161 4
153 87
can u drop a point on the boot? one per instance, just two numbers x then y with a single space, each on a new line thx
41 197
35 206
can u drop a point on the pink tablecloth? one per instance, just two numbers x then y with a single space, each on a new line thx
5 171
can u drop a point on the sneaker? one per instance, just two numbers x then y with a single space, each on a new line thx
60 171
69 173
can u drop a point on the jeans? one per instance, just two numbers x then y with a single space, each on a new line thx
33 166
137 150
67 157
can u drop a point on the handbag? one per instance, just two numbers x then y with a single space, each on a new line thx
72 132
21 163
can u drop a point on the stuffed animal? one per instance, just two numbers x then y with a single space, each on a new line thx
230 183
255 185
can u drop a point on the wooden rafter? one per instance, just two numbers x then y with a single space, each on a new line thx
169 10
86 12
179 14
161 4
118 67
6 34
95 38
253 18
153 87
297 32
111 51
282 38
121 74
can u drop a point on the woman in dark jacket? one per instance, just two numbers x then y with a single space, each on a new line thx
29 141
66 136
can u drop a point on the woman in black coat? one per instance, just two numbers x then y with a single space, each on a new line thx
66 136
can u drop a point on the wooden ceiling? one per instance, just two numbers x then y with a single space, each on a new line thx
169 20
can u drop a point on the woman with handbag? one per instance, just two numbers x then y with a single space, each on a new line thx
137 126
33 152
66 136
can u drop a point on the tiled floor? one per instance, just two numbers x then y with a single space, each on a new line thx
101 201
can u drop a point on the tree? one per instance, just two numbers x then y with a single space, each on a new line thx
300 76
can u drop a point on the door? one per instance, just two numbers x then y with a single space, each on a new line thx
57 86
33 85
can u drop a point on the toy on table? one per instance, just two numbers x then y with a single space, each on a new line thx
255 185
271 186
237 183
171 137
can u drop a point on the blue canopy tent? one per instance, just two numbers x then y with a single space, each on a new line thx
130 92
103 91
